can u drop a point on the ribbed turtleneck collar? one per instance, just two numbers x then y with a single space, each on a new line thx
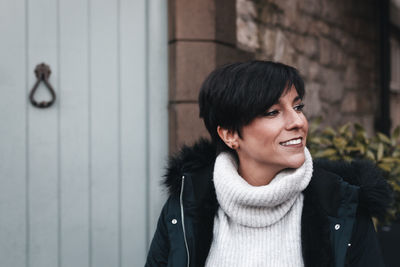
258 206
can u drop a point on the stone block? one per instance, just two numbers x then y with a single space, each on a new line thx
225 21
190 63
185 126
349 102
332 11
301 23
286 6
227 54
339 57
246 8
351 77
331 113
247 34
333 88
284 52
315 72
318 27
312 100
194 19
330 54
268 41
271 15
337 34
305 44
303 66
366 100
313 7
325 51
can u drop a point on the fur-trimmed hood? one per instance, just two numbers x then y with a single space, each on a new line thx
374 194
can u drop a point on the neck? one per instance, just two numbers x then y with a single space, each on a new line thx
257 175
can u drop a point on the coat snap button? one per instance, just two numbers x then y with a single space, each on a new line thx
337 226
174 221
349 244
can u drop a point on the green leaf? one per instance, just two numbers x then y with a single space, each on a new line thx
352 149
348 158
314 140
396 154
344 128
396 170
390 160
326 141
370 155
382 137
340 142
329 131
395 136
361 148
361 134
380 151
358 127
385 166
326 153
396 132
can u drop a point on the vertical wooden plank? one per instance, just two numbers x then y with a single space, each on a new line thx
13 91
133 131
105 133
42 136
74 158
158 102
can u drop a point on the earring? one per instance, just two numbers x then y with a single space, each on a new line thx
234 146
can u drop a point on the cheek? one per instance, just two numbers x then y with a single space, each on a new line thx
305 124
264 140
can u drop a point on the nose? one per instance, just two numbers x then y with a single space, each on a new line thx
294 120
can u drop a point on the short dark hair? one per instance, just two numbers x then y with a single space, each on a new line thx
235 94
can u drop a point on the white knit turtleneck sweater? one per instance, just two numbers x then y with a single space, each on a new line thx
258 225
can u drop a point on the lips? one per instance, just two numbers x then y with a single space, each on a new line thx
292 142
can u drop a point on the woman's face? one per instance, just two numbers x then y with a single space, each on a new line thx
276 140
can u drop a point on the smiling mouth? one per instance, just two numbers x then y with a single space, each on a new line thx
292 142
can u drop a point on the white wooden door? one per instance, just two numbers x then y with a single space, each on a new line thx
79 180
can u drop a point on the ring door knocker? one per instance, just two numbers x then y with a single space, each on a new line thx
42 72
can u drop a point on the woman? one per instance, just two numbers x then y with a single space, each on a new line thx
253 196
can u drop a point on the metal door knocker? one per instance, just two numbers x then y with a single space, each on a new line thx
42 72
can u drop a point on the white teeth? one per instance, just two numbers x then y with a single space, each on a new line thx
292 142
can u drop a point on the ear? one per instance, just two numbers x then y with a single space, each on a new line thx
229 137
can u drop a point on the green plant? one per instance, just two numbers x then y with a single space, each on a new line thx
350 141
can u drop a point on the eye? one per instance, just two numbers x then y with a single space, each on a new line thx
271 113
299 107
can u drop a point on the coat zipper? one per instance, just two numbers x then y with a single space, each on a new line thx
183 221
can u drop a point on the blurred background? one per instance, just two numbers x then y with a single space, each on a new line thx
80 180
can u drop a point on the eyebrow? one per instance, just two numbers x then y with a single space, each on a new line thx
294 100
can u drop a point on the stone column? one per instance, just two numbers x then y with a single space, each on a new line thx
202 36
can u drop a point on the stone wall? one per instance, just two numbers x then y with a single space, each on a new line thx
334 45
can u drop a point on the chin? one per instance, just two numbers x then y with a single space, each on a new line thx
296 162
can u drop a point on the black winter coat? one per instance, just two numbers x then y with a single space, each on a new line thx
336 225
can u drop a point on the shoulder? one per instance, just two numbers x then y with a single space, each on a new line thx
333 180
196 161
